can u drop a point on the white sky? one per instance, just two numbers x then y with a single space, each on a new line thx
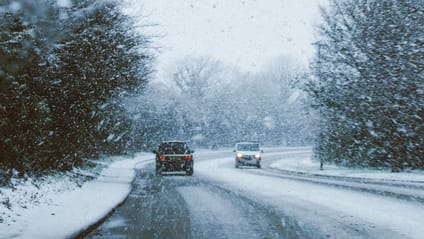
245 33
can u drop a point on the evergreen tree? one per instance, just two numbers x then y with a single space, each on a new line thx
64 74
23 113
367 86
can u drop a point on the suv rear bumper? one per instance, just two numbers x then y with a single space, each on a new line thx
174 165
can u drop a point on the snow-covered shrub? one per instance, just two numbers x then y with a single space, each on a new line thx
369 83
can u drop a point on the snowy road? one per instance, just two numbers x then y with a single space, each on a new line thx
219 201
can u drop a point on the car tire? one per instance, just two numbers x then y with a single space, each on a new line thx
158 170
189 172
189 169
237 164
258 165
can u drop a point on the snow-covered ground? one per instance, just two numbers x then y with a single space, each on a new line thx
62 207
303 163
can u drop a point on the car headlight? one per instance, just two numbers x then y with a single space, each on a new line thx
239 155
257 156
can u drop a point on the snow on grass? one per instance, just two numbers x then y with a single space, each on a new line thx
303 163
63 205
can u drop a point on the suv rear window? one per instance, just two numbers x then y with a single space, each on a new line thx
174 148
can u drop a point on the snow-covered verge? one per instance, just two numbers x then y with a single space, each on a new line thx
303 163
62 206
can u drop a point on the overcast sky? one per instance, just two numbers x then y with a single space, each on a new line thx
245 33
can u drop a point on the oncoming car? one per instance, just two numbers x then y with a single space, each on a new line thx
248 154
174 156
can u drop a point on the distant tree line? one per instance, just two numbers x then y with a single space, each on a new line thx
212 105
64 74
369 84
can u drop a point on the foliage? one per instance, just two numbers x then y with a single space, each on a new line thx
369 83
63 76
211 104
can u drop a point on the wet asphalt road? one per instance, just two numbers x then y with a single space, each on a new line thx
178 206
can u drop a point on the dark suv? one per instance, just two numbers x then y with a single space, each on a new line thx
174 156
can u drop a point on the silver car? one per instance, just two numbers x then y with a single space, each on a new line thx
248 154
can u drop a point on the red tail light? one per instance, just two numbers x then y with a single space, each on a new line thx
188 157
162 156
